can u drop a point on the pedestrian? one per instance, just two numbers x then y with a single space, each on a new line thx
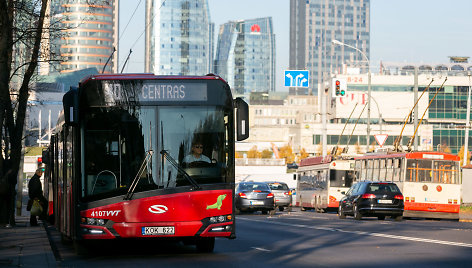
35 191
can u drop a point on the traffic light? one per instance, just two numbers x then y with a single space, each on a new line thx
40 162
339 87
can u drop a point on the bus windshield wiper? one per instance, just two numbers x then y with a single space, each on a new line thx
180 169
136 179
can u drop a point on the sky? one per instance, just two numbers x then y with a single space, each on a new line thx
415 31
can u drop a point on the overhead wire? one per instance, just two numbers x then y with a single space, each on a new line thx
146 26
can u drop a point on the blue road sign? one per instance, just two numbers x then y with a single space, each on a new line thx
296 78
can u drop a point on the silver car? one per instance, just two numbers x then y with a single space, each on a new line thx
282 194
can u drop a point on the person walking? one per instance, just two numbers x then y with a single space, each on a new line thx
35 191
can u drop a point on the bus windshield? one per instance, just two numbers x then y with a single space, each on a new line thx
122 143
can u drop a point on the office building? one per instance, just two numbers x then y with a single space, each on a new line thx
313 26
89 36
178 37
245 55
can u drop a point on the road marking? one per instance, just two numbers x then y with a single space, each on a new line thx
400 237
261 249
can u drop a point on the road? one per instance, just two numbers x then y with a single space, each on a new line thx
299 239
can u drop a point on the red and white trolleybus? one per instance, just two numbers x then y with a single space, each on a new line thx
321 181
429 181
116 159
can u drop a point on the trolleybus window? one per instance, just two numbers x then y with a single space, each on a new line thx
341 178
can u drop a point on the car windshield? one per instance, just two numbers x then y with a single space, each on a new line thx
383 188
254 187
278 186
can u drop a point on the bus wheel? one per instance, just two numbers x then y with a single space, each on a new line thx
341 213
65 240
357 214
381 218
80 248
205 244
264 212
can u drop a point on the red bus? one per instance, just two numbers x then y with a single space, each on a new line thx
429 181
117 159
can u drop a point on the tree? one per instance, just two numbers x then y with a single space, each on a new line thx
254 153
303 154
461 155
266 153
13 103
287 153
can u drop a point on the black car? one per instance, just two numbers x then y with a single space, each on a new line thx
372 199
254 196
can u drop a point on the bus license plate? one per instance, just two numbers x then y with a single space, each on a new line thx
384 201
164 230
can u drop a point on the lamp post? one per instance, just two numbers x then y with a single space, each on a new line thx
336 42
467 126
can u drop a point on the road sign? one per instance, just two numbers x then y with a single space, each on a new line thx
296 78
381 138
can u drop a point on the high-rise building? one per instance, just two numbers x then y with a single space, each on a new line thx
313 26
89 36
178 37
245 55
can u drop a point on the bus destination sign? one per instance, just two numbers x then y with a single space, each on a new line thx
153 91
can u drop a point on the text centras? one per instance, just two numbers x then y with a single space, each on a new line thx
152 91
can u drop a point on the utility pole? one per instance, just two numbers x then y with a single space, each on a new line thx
415 118
467 126
324 136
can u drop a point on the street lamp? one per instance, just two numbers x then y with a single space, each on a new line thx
336 42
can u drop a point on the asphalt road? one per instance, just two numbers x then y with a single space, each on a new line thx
298 239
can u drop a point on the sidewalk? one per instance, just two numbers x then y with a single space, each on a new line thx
24 245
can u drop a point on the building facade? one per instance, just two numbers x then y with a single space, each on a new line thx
245 55
179 37
313 26
297 121
89 35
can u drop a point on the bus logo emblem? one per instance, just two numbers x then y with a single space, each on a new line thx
158 209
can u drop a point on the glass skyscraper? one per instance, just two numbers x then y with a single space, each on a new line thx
245 55
313 26
89 35
178 37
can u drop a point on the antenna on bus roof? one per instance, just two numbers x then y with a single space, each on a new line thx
352 132
414 134
335 149
396 143
109 58
126 61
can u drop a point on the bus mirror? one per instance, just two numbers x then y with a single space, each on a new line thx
242 119
45 156
294 177
70 103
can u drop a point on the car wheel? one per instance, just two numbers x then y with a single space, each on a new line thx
357 214
281 208
341 213
399 218
381 218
